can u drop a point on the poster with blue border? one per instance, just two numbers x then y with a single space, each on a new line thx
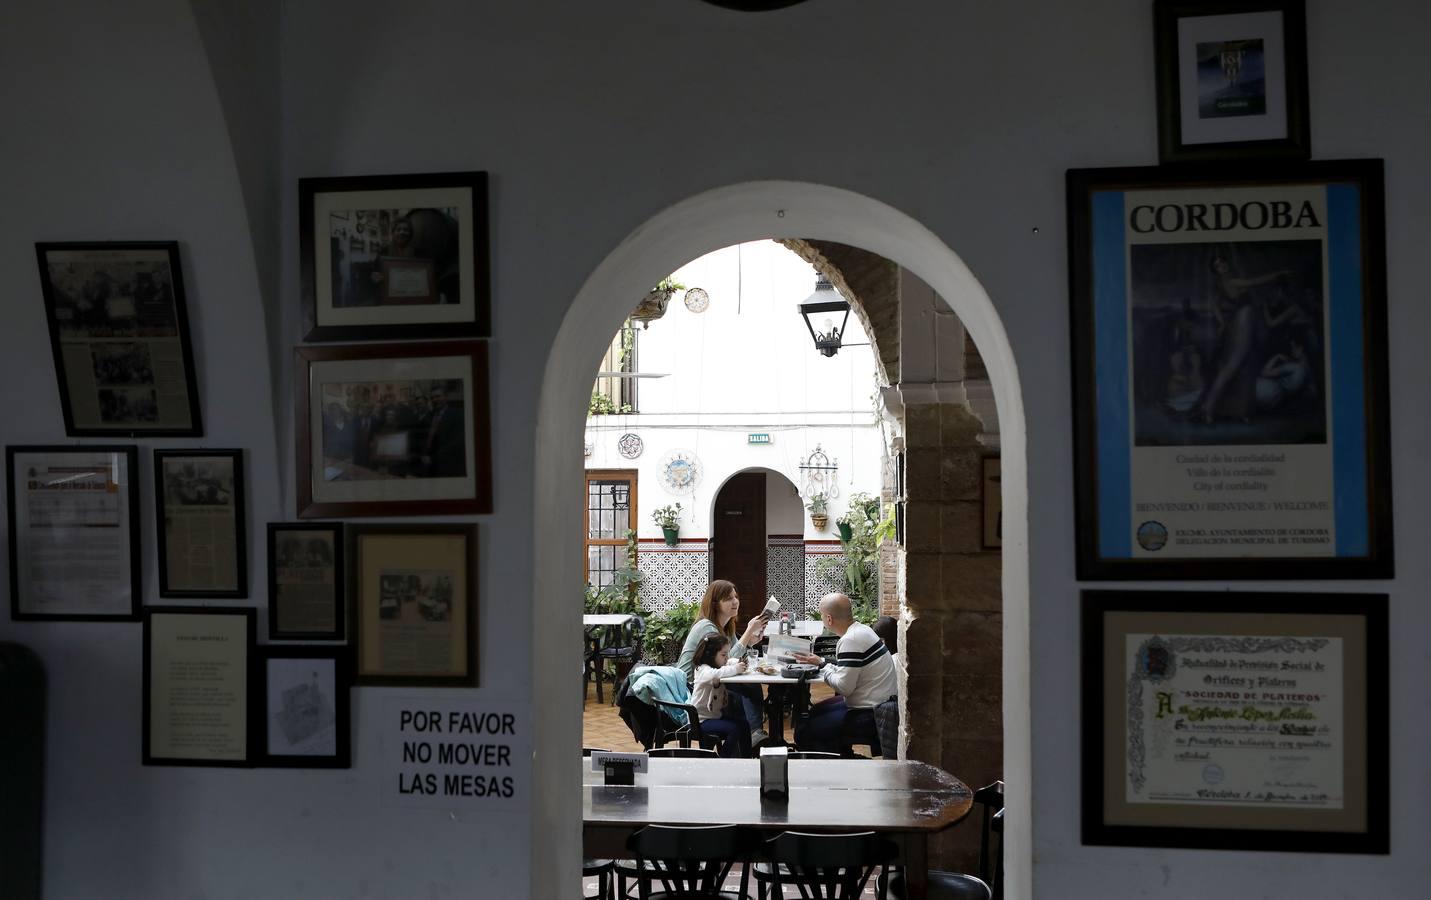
1230 368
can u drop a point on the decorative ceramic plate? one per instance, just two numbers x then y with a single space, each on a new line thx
680 472
630 445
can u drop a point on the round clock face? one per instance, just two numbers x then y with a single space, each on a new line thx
630 445
697 300
680 472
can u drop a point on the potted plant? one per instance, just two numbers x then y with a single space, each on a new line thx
653 305
669 518
816 505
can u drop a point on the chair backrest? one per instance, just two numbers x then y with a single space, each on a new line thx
811 754
825 645
991 798
681 752
682 733
689 861
827 866
996 824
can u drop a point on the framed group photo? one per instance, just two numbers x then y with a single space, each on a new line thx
392 429
394 256
119 333
1238 721
1232 79
74 532
305 581
199 686
1229 372
414 598
199 513
306 720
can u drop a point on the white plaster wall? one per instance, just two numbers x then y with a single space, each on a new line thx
592 118
784 513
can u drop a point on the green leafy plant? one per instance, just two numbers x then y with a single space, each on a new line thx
666 631
860 563
667 516
620 595
602 405
817 503
669 286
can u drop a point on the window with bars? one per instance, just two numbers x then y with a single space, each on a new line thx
613 393
610 513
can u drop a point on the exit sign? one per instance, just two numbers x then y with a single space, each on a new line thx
757 438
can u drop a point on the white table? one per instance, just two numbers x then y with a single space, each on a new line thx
776 685
590 619
800 628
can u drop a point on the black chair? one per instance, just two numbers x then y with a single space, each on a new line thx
824 646
690 862
686 734
681 753
602 869
988 885
822 866
625 652
812 754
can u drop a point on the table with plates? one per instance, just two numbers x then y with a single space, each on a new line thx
776 687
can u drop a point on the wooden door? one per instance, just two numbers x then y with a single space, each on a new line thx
738 550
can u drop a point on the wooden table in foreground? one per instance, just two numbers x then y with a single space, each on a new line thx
904 801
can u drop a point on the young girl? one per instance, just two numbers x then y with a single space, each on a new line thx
709 696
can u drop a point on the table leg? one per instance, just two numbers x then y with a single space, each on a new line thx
916 866
775 709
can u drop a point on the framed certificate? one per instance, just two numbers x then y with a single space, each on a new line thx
120 336
201 524
198 686
1236 721
305 707
74 532
1230 372
305 581
414 590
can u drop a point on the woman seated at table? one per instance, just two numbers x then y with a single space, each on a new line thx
719 607
712 700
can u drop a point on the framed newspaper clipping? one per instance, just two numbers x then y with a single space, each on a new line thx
74 532
1240 721
200 687
201 526
120 337
305 581
1230 372
394 256
414 596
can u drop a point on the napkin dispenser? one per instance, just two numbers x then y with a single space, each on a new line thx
774 773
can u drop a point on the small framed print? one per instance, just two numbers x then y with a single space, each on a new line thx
200 517
120 337
414 597
1232 79
394 256
992 494
74 532
305 581
306 723
199 678
1236 721
393 429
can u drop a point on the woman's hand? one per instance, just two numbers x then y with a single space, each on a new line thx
754 631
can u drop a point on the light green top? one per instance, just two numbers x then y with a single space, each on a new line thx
703 627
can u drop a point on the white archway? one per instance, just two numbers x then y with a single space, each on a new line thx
699 225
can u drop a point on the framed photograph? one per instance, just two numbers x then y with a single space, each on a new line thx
414 590
305 581
1236 721
74 532
393 429
1229 372
120 337
1232 79
200 517
306 723
991 494
198 686
394 256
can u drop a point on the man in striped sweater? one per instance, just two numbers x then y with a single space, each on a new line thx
862 675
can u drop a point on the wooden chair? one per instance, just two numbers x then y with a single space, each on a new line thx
822 866
988 884
686 734
690 862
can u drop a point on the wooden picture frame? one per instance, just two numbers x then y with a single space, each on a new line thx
1230 372
393 429
199 686
1231 79
63 499
414 598
394 256
1236 721
306 601
200 525
119 333
307 722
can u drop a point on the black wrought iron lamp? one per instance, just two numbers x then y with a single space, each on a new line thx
821 303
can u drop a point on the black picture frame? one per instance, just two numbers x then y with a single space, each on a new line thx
423 551
152 755
200 489
449 298
1143 291
127 518
1247 117
294 718
95 291
1179 629
278 616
